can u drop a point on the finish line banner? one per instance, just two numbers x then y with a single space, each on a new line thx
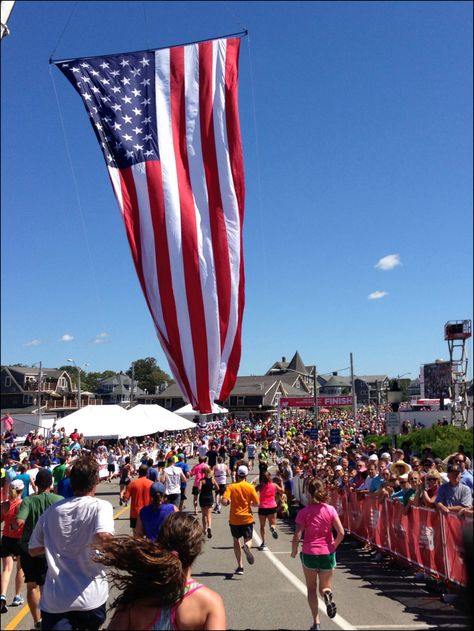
308 402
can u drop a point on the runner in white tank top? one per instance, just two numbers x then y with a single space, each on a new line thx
221 471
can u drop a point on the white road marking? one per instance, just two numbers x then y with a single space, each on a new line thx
338 620
408 627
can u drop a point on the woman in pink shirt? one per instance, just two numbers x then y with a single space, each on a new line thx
319 547
267 506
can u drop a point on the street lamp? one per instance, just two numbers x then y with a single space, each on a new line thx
40 380
78 381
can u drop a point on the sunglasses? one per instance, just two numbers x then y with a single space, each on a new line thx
459 461
432 479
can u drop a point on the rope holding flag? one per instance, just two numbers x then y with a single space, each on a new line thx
168 124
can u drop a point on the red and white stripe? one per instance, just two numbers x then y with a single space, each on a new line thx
184 217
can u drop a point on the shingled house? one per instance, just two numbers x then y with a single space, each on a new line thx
19 387
253 393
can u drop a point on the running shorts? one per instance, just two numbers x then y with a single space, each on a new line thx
34 568
222 488
244 530
195 490
10 547
267 511
318 561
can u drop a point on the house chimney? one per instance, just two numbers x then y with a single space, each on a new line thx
283 359
335 373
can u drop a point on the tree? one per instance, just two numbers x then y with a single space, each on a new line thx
148 374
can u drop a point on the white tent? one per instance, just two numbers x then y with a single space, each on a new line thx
148 419
97 421
187 410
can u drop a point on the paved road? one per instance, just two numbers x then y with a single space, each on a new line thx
271 593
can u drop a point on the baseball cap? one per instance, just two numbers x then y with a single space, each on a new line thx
242 471
157 487
338 467
373 457
320 456
44 479
18 485
385 456
180 456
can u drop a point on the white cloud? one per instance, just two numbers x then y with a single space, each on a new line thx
66 338
388 262
101 338
376 295
32 343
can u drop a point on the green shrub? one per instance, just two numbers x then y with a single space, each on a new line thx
442 439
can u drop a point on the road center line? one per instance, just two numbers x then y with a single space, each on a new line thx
338 620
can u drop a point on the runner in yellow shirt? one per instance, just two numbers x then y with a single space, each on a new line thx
241 495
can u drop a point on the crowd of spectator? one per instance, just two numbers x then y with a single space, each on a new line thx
153 472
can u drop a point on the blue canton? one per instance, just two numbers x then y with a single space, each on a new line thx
119 94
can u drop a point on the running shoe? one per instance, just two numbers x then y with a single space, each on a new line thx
331 608
316 627
248 554
17 601
3 604
263 547
209 533
274 532
239 570
120 502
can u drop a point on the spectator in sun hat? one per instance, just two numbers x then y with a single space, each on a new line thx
400 467
454 497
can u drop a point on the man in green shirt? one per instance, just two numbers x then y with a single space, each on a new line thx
34 568
59 472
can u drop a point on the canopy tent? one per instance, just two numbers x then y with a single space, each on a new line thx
148 419
187 410
98 421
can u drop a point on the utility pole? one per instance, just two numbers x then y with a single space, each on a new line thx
354 397
40 379
315 387
132 386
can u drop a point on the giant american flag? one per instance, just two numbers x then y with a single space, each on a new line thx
167 121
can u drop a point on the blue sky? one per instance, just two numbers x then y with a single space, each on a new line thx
357 133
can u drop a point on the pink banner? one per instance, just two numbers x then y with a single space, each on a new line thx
357 523
376 522
454 525
308 402
428 549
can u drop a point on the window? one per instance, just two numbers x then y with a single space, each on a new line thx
168 403
61 382
240 400
27 400
8 382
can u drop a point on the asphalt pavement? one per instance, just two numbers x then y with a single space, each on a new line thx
271 594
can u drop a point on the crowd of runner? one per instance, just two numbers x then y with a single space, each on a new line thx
291 464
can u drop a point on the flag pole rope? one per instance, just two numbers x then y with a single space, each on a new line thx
259 177
152 50
64 29
100 309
